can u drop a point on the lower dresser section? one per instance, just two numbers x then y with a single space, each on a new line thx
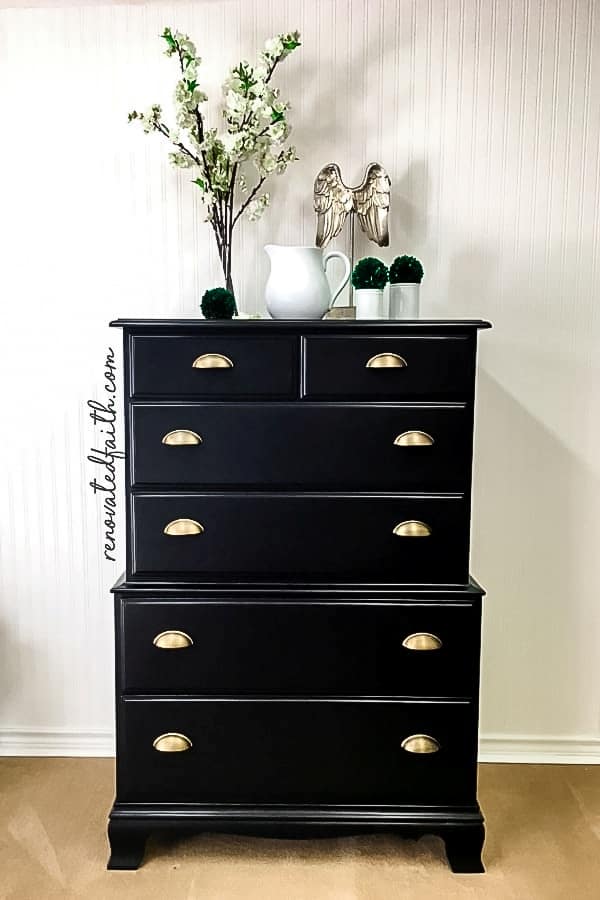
297 711
305 648
297 751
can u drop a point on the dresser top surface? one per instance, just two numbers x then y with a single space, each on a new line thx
313 325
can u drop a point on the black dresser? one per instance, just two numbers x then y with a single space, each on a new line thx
297 634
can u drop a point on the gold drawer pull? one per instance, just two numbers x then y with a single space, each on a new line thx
414 439
183 526
172 640
420 743
171 742
422 640
386 361
412 528
181 437
212 361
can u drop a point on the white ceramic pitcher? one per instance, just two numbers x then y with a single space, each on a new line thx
297 287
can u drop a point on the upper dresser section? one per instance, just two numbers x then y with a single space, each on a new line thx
219 366
321 360
313 450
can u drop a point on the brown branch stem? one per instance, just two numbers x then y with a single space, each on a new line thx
249 198
162 129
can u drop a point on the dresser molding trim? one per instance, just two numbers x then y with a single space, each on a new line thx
300 814
364 592
461 828
309 326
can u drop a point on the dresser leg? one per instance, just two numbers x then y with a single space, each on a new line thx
127 844
463 849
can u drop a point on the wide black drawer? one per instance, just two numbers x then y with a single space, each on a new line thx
380 368
317 445
285 649
248 751
214 366
306 536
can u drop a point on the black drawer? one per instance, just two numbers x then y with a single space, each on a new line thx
320 445
380 368
214 366
297 751
291 649
306 536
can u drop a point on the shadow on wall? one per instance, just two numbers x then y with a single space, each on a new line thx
352 132
528 550
408 209
470 279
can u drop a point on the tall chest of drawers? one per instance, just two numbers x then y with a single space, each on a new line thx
297 633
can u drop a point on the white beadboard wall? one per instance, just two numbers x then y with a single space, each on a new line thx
486 115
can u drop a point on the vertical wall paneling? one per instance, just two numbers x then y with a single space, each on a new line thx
486 115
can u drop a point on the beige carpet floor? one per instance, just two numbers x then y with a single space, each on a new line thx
543 844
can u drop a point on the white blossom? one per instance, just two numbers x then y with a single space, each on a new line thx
234 102
181 160
274 47
257 207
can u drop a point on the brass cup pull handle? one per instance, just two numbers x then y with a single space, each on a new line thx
422 640
386 361
212 361
420 743
412 528
180 527
413 439
172 640
181 437
171 742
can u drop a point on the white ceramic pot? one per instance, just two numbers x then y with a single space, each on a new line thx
404 301
297 287
369 303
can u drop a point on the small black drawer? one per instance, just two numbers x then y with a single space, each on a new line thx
297 751
406 539
214 366
291 649
380 368
320 445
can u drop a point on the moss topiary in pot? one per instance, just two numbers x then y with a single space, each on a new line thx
369 273
406 274
369 278
406 270
218 303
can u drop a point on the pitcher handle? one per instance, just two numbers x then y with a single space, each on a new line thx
345 279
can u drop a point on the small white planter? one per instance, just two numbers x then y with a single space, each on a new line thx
404 301
369 303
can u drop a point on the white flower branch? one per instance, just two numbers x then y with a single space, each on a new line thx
256 130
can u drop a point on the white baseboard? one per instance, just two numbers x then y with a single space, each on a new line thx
497 748
523 748
55 742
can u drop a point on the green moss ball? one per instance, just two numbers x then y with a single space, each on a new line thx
406 270
218 303
370 272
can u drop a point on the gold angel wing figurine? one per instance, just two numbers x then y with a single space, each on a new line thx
372 204
333 200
